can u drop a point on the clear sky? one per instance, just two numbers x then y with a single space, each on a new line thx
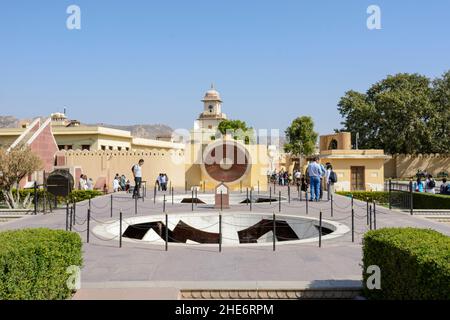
139 61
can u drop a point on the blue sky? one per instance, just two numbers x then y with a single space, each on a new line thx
151 61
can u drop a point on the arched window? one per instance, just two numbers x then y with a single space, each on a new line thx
333 145
211 108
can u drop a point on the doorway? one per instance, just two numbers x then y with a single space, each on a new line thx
357 179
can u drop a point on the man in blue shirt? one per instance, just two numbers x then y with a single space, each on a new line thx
315 172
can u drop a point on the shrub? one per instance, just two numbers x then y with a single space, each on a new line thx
378 196
420 200
33 263
431 201
77 195
414 263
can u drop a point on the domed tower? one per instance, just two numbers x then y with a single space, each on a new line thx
212 114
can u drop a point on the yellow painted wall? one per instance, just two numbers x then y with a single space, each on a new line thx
406 166
97 164
374 173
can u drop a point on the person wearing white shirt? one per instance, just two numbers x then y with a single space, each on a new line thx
137 174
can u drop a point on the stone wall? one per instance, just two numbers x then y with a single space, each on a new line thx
103 165
406 166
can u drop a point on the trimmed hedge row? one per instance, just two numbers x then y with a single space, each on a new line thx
430 201
33 263
414 263
77 195
378 196
421 200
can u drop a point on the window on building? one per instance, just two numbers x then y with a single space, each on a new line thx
103 147
211 108
210 127
110 147
333 145
61 147
119 148
68 147
128 149
86 147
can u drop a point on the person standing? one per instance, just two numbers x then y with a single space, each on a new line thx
315 172
137 174
445 187
331 179
430 184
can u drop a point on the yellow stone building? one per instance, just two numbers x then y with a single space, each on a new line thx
356 169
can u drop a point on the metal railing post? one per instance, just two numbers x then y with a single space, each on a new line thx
88 224
374 216
367 208
67 216
71 219
192 199
353 225
220 232
120 229
320 229
390 190
331 199
35 197
270 195
250 200
111 205
154 194
136 205
172 194
370 217
246 197
279 201
306 197
411 196
167 232
289 193
274 230
164 203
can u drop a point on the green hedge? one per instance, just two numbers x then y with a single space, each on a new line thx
430 201
414 263
378 196
33 263
77 195
421 200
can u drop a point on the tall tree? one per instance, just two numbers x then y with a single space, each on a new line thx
301 137
441 120
396 114
15 165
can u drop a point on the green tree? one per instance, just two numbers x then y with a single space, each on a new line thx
237 129
396 114
441 120
301 137
16 164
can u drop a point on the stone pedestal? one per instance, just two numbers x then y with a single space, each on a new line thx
222 197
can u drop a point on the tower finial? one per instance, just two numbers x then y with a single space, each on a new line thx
212 85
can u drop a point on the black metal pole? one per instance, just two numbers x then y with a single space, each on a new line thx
74 211
167 232
367 207
154 194
88 224
111 205
247 197
185 187
251 196
35 197
279 201
135 205
306 197
71 218
353 225
196 195
192 199
120 229
220 232
270 195
374 216
289 193
172 194
164 203
320 229
331 198
89 202
411 197
370 217
67 216
390 190
274 231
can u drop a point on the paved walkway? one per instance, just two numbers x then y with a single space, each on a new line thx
337 260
